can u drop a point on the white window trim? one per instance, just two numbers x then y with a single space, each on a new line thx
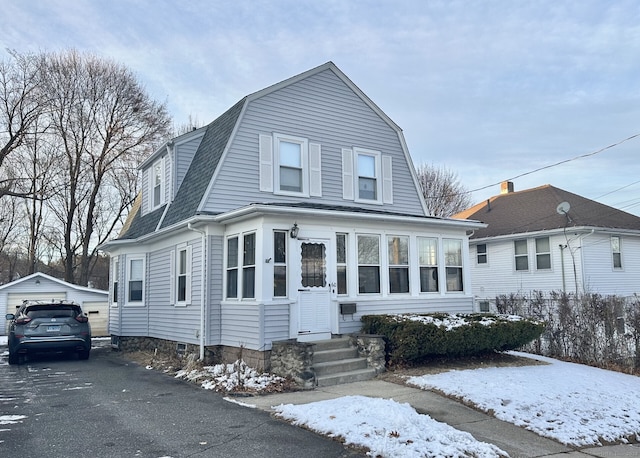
437 265
382 276
485 254
613 266
516 256
378 171
543 253
304 153
127 302
175 273
115 280
237 267
152 204
406 266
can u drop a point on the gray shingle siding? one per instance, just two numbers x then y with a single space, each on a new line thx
141 225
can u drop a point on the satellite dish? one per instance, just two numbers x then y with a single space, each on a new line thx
563 208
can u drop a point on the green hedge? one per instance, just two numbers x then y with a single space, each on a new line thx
412 338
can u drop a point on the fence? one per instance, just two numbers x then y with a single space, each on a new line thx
588 328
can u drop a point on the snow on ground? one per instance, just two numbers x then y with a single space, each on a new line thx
571 403
387 428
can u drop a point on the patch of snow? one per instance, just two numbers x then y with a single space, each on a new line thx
571 403
387 428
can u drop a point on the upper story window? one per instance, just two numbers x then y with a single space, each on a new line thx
398 248
290 165
543 254
157 184
453 263
366 176
521 254
428 258
481 253
135 280
368 167
616 252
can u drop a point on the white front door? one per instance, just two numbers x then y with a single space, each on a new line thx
314 291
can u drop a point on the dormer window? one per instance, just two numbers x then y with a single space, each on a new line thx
157 184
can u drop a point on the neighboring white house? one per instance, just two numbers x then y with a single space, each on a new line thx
39 286
548 239
289 217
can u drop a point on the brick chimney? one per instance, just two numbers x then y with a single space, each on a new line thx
506 187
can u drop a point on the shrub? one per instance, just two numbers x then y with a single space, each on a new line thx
412 338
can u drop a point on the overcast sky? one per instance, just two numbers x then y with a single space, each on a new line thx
488 89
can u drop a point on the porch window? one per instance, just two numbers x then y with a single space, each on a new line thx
368 264
453 261
249 266
521 254
543 254
232 267
616 252
428 258
115 275
341 262
481 253
135 281
398 264
280 264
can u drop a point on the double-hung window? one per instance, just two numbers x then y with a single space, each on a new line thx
249 266
135 281
398 249
157 183
481 253
616 252
341 262
182 277
453 261
368 168
280 264
428 258
368 264
115 275
232 267
291 154
521 254
543 254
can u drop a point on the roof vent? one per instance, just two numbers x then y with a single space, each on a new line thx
506 187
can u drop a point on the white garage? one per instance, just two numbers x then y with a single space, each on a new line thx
39 286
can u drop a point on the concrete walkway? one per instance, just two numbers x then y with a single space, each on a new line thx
516 441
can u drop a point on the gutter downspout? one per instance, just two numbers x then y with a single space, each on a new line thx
203 287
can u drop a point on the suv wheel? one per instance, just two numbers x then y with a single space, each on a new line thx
84 354
13 357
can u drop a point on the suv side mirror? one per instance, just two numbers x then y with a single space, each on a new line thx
9 316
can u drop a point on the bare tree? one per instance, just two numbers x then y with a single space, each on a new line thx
443 193
104 123
22 102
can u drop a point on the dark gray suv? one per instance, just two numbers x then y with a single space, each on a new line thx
56 326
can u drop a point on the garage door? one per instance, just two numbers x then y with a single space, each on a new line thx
98 317
14 300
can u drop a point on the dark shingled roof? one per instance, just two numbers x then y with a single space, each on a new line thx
196 180
535 210
203 166
141 225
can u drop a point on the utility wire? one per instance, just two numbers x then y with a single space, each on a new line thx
582 156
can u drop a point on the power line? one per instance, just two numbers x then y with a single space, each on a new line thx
582 156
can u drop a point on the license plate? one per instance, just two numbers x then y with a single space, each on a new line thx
53 328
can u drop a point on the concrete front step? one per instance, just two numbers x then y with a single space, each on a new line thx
336 362
324 356
341 366
346 377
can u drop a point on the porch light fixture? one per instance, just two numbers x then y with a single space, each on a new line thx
294 231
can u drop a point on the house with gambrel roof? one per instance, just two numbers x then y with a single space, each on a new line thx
289 217
549 239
